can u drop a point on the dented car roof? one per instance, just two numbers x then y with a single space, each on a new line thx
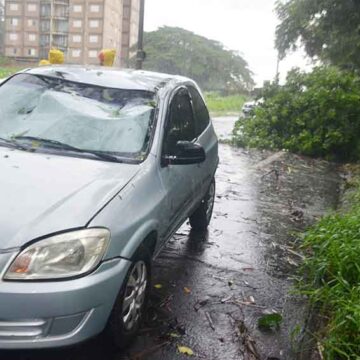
110 77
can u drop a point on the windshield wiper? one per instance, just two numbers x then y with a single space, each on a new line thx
63 146
13 144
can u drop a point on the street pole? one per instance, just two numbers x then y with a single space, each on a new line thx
140 56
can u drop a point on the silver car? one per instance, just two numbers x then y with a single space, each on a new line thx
99 168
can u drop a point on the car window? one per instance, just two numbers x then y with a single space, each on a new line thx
181 124
200 110
87 117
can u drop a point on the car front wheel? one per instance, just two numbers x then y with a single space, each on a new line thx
200 219
130 306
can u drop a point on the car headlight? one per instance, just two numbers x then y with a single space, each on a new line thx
61 256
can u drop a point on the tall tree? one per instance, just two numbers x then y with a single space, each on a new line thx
328 29
178 51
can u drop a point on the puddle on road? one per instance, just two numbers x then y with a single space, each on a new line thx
215 286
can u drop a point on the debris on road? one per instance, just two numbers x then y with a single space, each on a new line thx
249 348
185 350
210 320
187 290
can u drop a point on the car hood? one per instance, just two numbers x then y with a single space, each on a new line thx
43 194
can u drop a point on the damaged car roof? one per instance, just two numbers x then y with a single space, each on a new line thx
127 79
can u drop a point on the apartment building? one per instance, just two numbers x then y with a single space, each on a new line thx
80 28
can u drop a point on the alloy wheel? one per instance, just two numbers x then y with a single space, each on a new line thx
134 298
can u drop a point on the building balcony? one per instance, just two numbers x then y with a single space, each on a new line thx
55 16
55 2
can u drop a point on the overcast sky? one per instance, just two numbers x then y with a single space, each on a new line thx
247 26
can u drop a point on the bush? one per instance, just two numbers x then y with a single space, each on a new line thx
316 114
332 274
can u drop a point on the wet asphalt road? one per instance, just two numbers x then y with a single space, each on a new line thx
215 286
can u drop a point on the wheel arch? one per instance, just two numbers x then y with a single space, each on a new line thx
148 245
145 236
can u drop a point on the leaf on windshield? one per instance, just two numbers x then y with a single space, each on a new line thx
152 103
116 113
35 144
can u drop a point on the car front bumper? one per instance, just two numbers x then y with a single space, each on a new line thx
54 314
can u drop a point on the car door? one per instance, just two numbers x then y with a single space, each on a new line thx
206 137
178 181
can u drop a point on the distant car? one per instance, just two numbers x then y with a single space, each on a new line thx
99 168
248 107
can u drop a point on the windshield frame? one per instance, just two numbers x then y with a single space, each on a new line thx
62 152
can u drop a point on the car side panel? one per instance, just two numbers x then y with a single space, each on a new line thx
136 212
144 205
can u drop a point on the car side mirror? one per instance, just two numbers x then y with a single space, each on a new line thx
186 153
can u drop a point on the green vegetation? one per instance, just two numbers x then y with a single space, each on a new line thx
7 71
328 29
314 114
220 105
7 67
332 280
270 322
181 52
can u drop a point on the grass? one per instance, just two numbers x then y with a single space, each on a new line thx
222 105
332 280
7 71
8 67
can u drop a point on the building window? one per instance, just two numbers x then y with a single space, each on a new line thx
77 8
31 52
14 51
45 40
31 7
93 38
76 38
76 53
45 25
94 8
94 23
60 41
32 37
13 36
93 54
31 22
14 21
77 23
14 7
45 10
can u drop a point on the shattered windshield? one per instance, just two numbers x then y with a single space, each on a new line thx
78 116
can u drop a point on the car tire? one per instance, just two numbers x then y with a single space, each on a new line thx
131 303
200 219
